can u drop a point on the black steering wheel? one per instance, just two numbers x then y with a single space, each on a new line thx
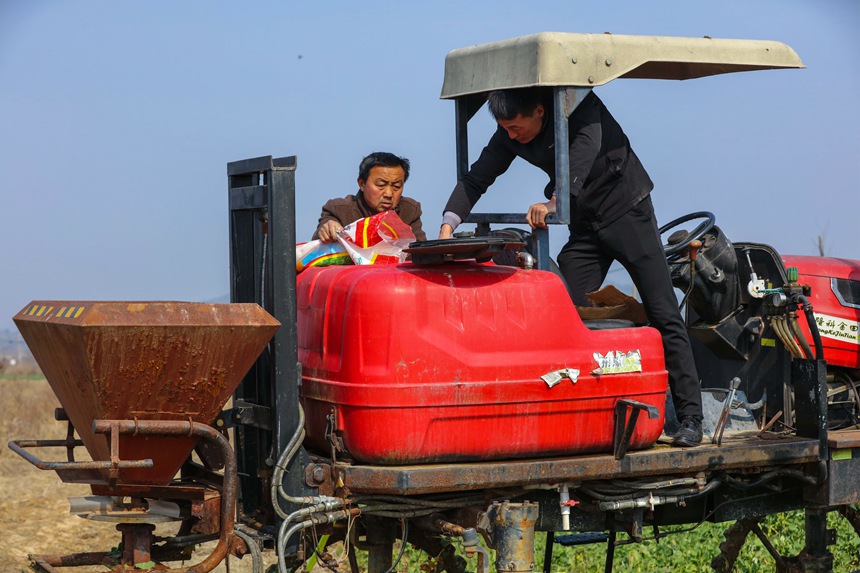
697 234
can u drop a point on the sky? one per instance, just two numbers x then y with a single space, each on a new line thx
117 120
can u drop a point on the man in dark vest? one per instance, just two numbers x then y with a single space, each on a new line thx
612 218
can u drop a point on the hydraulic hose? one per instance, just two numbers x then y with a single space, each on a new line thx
453 503
284 535
327 505
652 500
284 460
254 549
403 539
796 474
798 334
277 488
813 327
778 323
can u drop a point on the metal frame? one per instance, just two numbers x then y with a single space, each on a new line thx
436 478
573 64
263 270
136 536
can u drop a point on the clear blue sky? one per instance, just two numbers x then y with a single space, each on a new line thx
118 118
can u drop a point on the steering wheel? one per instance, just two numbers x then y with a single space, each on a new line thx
697 233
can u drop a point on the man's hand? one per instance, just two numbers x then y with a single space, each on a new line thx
446 231
328 231
536 217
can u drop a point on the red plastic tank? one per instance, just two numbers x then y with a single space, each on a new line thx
423 364
835 300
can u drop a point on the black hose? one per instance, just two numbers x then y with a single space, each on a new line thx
813 326
402 545
254 549
711 485
796 474
453 503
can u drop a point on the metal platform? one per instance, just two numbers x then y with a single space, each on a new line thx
737 452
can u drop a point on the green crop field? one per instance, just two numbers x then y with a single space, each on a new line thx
684 552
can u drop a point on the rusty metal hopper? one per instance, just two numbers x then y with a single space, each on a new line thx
144 361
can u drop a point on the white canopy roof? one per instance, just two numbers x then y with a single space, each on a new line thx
587 60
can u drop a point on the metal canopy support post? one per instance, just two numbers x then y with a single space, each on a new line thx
465 109
540 249
565 100
562 157
262 270
461 128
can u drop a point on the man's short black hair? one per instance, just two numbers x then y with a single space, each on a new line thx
507 104
382 159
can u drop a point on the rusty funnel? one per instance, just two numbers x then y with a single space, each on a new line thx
144 361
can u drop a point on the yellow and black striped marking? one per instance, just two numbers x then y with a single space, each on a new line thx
39 310
70 312
45 311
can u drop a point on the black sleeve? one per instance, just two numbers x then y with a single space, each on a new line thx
586 134
494 160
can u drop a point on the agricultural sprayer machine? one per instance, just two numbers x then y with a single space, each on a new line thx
449 402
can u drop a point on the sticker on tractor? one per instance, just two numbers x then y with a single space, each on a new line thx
618 362
838 328
553 378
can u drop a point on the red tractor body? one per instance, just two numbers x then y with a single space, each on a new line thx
835 296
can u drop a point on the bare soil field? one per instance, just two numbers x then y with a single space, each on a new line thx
34 504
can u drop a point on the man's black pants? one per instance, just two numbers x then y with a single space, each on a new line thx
634 241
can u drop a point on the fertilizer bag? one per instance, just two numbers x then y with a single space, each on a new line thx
378 239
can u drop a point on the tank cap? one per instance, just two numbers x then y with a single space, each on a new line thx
792 274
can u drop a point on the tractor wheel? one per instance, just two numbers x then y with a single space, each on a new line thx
735 536
851 514
435 553
442 555
820 558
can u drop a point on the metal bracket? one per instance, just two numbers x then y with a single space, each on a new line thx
248 414
320 476
624 426
333 435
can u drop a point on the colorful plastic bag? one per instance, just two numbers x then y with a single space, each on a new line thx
378 239
319 254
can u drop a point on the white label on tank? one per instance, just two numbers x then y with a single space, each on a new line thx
554 377
618 362
839 328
